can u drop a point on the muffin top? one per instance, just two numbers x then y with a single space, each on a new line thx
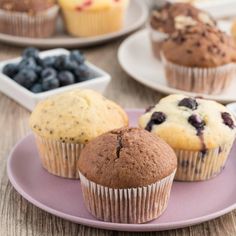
178 16
190 123
76 116
199 46
127 158
30 6
91 5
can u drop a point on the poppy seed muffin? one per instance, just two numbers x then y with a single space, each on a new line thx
64 123
203 130
199 59
127 162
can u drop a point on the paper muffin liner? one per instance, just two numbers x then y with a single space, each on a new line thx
59 158
86 23
197 165
132 205
157 38
199 80
40 25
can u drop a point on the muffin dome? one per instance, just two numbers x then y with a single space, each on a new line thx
127 158
199 46
190 123
76 116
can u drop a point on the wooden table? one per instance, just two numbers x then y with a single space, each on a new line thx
19 217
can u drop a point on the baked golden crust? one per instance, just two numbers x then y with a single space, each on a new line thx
76 116
127 158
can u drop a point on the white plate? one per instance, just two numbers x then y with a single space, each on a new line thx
136 16
135 57
28 99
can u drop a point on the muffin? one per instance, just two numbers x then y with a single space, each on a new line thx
199 59
126 176
85 18
200 131
64 123
171 17
31 18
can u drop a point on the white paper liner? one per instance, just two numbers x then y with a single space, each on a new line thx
133 205
41 24
59 158
195 166
199 80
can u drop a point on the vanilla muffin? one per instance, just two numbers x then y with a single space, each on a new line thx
200 131
128 169
199 59
171 17
85 18
64 123
31 18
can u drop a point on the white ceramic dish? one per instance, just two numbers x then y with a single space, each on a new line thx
136 16
28 99
135 57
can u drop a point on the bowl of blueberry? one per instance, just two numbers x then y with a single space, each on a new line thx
37 75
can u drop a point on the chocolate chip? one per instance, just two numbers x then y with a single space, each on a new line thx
227 119
197 44
189 103
189 51
197 122
157 118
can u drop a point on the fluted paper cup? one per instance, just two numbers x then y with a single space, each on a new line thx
59 158
199 80
133 205
197 166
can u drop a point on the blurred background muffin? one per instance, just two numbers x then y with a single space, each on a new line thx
64 123
84 18
31 18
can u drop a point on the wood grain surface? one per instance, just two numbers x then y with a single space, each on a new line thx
19 217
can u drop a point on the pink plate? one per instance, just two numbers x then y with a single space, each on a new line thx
190 203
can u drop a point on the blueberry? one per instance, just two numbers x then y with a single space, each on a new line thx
38 69
10 70
227 119
30 52
191 103
50 83
197 122
36 88
82 73
48 62
77 56
66 78
26 78
28 63
157 118
62 63
49 73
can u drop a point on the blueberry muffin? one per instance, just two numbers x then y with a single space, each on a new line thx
171 17
128 169
199 59
200 131
31 18
64 123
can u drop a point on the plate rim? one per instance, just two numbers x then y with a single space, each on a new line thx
71 41
165 89
102 224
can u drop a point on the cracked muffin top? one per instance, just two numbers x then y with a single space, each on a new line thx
127 158
76 116
190 123
178 16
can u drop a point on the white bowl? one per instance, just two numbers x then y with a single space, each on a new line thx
29 99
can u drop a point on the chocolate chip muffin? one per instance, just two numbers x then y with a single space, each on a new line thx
199 59
64 123
171 17
31 18
128 169
200 131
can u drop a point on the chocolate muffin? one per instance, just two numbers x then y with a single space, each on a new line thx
172 17
127 169
200 131
199 59
31 18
